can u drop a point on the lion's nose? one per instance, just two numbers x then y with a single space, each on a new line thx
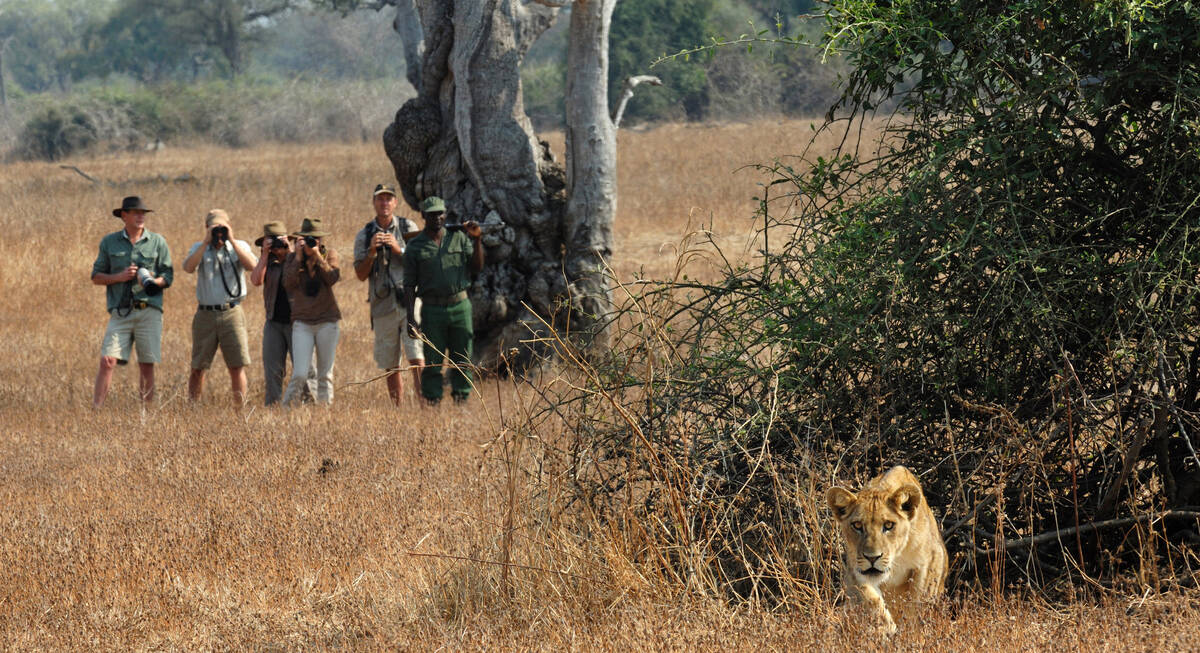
872 559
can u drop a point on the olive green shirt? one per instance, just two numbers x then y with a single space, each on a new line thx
438 271
150 252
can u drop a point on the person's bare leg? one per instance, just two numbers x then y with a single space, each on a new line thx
146 382
195 385
415 366
395 386
237 380
103 380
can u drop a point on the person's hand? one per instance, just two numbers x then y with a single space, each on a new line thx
389 241
266 247
472 228
207 236
128 273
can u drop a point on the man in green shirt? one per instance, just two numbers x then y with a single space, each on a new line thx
438 266
134 264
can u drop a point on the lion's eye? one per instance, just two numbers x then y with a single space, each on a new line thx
888 525
857 526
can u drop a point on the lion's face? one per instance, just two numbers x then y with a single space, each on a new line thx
876 526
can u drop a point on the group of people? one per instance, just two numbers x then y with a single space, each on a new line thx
409 271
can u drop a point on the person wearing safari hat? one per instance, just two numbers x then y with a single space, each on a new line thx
438 266
220 262
134 264
277 327
308 275
379 260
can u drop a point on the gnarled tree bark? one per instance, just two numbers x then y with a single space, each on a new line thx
466 138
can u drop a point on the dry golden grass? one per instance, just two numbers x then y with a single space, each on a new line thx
192 527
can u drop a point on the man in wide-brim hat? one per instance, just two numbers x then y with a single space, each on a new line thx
276 244
308 275
134 265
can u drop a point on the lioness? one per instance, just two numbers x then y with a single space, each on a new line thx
893 544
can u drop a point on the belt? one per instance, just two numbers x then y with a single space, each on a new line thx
139 304
444 300
220 307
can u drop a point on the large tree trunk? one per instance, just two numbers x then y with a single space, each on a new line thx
466 138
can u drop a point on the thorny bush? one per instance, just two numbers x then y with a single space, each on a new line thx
1001 295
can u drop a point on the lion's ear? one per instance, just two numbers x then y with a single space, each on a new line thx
906 499
840 500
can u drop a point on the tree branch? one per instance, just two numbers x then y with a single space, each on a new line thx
1057 535
627 93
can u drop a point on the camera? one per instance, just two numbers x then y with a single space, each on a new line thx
220 234
278 243
146 278
311 241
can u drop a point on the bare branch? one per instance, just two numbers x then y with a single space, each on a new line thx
554 4
627 93
1051 536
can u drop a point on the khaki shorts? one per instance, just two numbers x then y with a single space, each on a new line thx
226 329
391 336
142 327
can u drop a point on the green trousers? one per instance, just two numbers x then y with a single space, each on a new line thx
450 334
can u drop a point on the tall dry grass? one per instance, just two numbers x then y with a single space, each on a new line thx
184 526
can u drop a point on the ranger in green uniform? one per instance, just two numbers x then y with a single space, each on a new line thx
438 266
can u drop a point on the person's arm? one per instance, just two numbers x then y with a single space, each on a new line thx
327 266
364 255
410 300
476 234
259 273
196 254
166 271
245 256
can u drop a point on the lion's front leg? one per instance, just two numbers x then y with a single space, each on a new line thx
869 598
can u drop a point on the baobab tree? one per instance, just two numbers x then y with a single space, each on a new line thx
467 139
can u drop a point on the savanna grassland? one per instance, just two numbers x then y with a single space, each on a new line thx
193 526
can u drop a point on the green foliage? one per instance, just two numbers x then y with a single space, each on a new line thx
44 40
645 30
1002 296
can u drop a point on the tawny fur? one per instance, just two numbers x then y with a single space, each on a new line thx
894 548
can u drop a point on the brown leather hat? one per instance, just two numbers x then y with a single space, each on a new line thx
132 203
271 230
311 227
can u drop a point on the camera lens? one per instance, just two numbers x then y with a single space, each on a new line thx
311 241
278 243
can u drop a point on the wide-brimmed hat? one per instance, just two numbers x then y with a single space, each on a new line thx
216 217
433 204
384 188
132 203
311 227
274 229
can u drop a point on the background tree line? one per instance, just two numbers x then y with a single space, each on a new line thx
78 73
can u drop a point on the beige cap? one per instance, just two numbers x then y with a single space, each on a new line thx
215 217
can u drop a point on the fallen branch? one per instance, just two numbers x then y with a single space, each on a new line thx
1058 534
82 174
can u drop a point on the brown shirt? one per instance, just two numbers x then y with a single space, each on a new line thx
311 295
